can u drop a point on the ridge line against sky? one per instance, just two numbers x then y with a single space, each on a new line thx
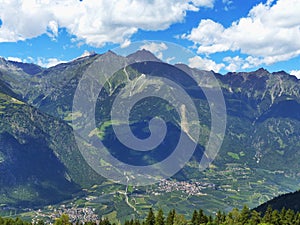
226 35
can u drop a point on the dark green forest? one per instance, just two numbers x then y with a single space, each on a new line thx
235 217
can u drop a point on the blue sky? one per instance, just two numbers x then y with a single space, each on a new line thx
224 35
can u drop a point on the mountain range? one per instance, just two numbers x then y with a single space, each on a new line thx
40 162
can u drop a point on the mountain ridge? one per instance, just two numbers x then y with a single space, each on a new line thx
284 201
263 124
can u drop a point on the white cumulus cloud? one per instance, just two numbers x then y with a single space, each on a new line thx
205 64
53 29
14 59
92 21
237 63
155 48
204 3
295 73
234 63
50 62
270 32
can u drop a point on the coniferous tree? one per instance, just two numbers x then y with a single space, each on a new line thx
179 219
233 217
244 215
219 218
275 218
297 219
136 222
150 220
127 222
229 219
282 215
289 216
203 219
195 218
160 220
210 220
268 215
18 221
255 218
170 217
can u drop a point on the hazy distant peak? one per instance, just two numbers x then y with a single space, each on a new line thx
7 65
109 52
143 55
28 68
109 55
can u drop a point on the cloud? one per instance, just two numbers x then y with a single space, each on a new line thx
228 4
237 63
271 32
295 73
155 48
204 3
43 62
170 59
46 63
86 53
14 59
126 43
94 22
205 64
52 29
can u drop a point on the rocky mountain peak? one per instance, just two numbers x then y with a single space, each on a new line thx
143 55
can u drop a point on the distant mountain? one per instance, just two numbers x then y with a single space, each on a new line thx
143 55
14 77
259 158
39 161
28 68
287 201
31 173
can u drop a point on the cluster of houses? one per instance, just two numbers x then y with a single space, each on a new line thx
187 187
75 214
